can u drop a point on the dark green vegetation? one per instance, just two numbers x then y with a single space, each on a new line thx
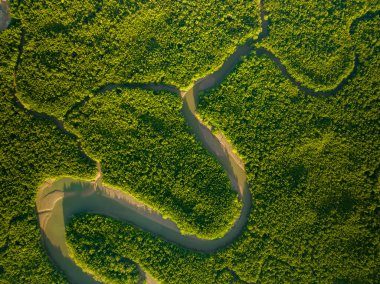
32 149
313 165
312 38
73 47
144 145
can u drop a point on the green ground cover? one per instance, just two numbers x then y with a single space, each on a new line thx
145 147
313 165
312 38
31 151
55 73
73 47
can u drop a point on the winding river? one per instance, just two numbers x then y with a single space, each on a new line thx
57 201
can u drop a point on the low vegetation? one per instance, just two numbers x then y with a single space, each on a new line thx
145 147
96 259
313 165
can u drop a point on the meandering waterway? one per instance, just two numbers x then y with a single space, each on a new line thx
58 201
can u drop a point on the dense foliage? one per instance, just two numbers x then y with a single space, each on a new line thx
145 147
313 166
73 47
312 38
32 149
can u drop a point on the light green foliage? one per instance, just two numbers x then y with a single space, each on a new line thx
145 147
73 47
312 38
99 258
